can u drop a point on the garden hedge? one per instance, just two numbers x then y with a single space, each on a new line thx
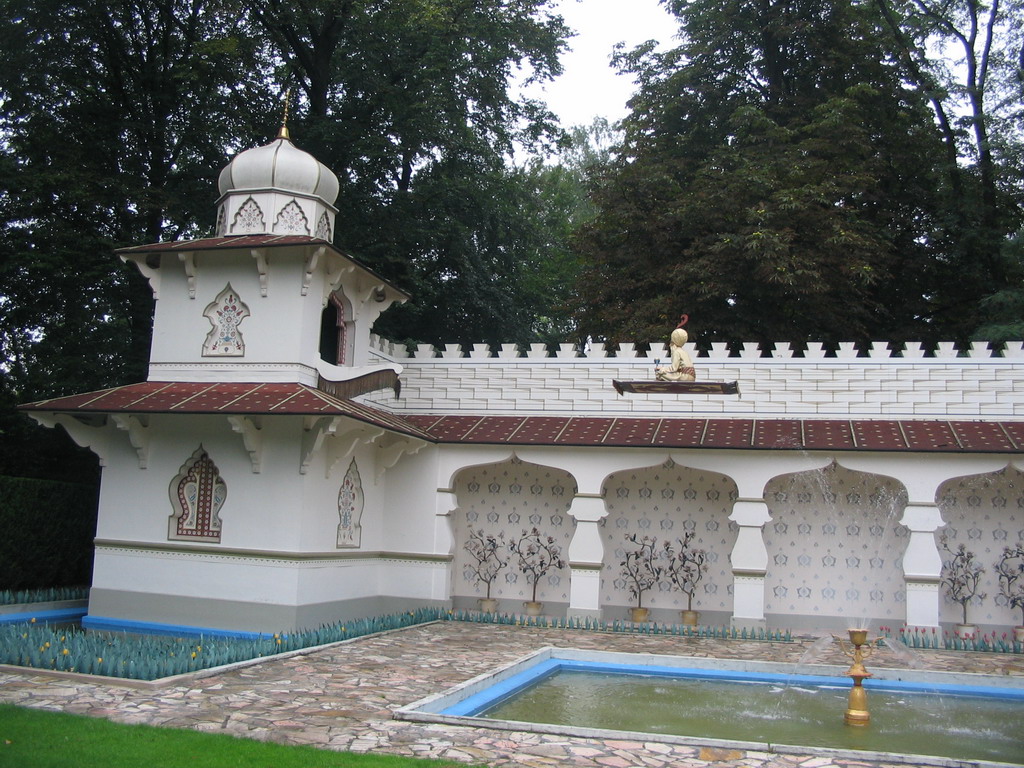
46 533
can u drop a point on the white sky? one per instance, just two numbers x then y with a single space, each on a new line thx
590 88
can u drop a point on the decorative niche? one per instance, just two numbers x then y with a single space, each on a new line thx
197 494
225 314
350 509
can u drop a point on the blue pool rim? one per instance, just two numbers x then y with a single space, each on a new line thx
476 703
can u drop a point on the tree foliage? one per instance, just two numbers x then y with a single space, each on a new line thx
974 87
116 118
780 179
411 102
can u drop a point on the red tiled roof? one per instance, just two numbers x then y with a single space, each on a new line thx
763 434
234 241
223 397
633 432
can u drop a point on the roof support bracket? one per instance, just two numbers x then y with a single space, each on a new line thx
397 447
252 437
345 443
188 259
316 429
138 431
260 254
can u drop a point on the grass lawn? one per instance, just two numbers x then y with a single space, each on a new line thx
32 738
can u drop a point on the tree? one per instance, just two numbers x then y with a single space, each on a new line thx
777 182
974 90
116 118
410 102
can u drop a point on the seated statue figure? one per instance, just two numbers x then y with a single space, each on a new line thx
681 367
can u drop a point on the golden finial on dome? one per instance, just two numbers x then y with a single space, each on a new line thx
283 132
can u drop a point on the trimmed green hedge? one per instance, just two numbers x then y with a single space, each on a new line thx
46 533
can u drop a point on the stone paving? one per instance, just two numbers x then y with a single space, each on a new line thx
342 697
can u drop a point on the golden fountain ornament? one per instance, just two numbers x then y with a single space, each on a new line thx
857 709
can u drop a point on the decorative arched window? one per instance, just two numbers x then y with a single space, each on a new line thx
350 508
225 314
197 493
291 221
248 218
323 228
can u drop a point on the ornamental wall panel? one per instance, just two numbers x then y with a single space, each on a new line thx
835 547
350 509
665 503
197 494
986 514
225 314
504 500
291 220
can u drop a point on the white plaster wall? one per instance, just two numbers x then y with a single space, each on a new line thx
940 387
283 327
835 547
985 513
195 575
321 484
665 502
260 509
414 515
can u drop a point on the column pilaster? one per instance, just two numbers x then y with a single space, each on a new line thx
922 564
749 562
586 556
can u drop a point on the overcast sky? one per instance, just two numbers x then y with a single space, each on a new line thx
590 88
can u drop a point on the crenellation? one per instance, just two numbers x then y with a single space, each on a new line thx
719 351
846 350
815 350
750 350
880 349
913 350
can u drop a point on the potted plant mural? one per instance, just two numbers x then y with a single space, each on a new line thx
1010 570
685 568
961 580
641 572
484 549
537 555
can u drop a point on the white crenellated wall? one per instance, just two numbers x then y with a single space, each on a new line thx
951 384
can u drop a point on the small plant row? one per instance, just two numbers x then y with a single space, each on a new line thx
147 657
620 626
924 639
51 595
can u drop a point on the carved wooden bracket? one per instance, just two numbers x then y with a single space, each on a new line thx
87 434
188 259
252 437
138 431
345 443
312 260
260 254
397 447
316 429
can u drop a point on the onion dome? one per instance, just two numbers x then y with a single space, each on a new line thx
277 189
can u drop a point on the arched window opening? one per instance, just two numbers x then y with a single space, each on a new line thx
335 331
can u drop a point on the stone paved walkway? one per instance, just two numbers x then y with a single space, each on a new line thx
342 697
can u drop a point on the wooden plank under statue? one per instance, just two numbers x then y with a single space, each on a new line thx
678 387
679 376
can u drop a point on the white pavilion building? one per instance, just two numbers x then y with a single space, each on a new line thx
282 467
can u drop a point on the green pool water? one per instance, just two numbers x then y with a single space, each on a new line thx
973 728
